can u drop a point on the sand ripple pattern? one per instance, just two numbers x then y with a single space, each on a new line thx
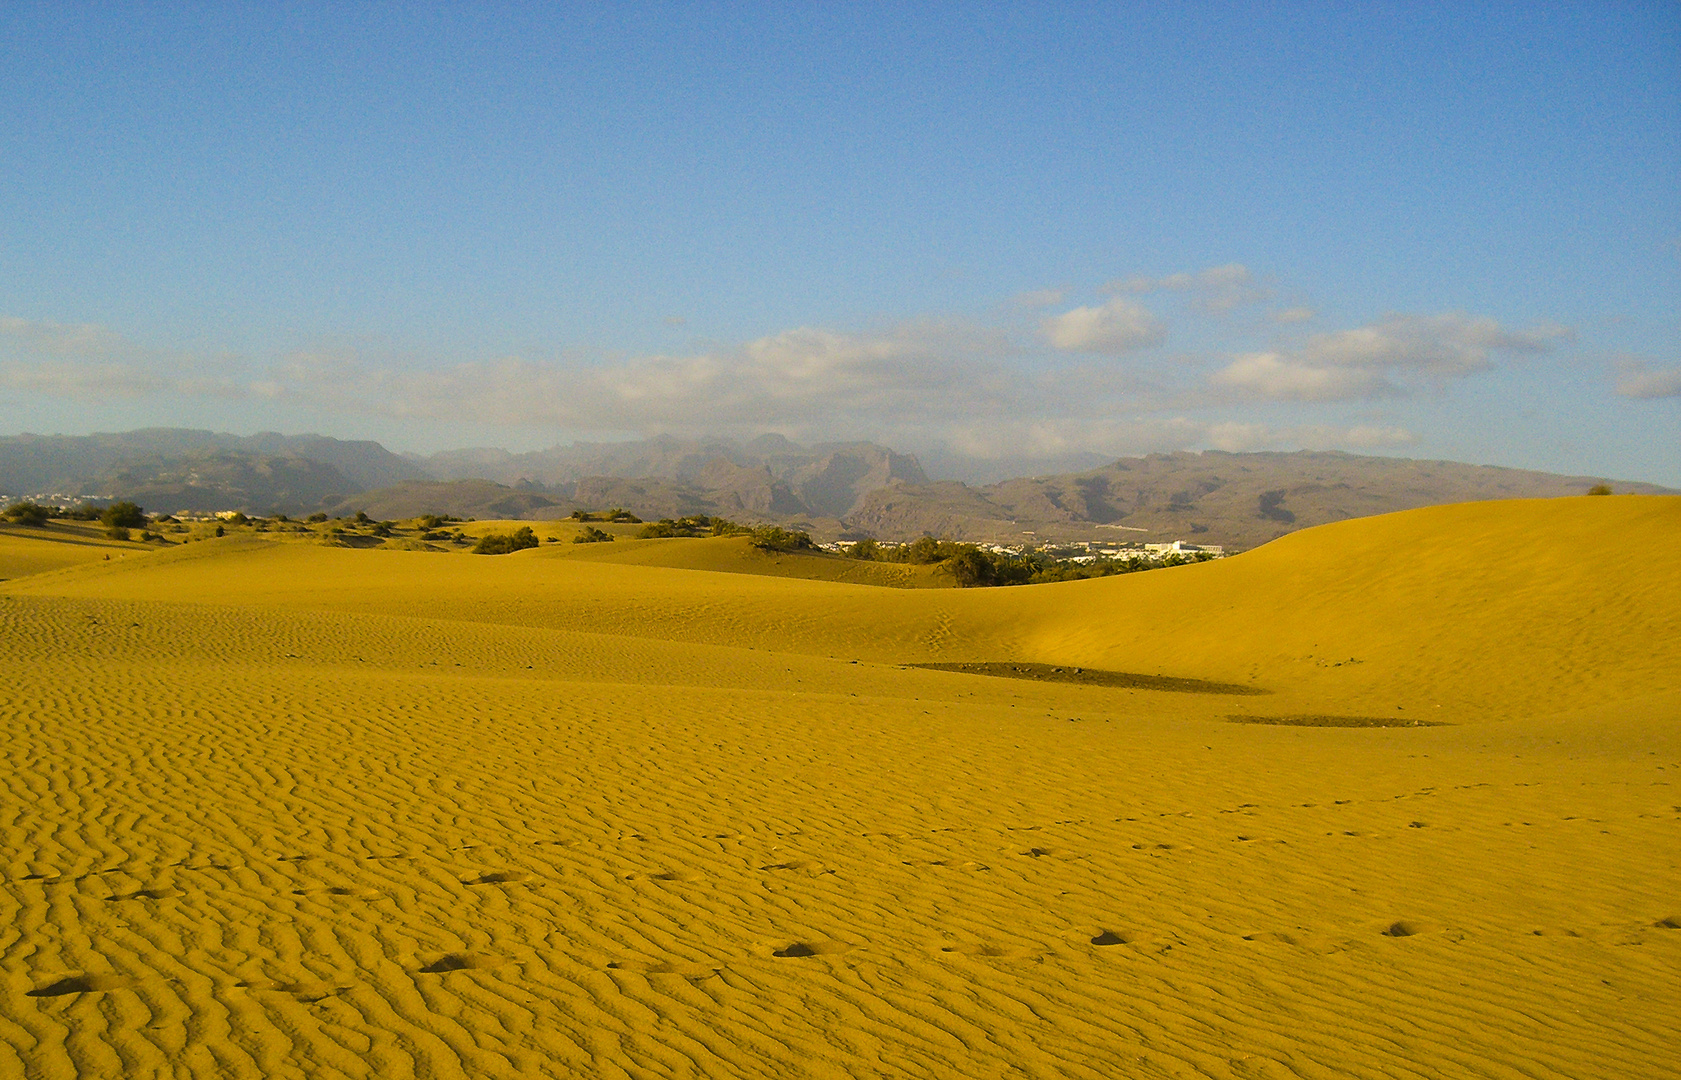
247 842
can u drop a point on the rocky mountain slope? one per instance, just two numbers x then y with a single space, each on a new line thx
847 490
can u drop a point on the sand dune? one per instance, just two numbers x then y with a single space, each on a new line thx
286 810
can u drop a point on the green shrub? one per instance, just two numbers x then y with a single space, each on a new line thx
506 543
593 535
972 567
1600 489
776 538
84 512
117 532
123 515
316 518
865 549
28 513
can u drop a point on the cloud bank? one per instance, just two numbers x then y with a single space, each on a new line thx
1376 360
1642 381
1079 381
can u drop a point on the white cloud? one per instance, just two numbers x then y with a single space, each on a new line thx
1113 328
1238 437
1293 315
1640 380
92 363
1281 378
1367 361
1216 290
1453 343
807 378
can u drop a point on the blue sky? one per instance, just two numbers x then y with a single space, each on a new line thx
1009 238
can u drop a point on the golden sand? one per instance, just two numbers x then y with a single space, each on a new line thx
277 809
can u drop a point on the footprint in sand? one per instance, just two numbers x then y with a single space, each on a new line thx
463 961
676 875
337 891
306 991
813 948
989 952
967 864
692 972
83 984
160 893
498 877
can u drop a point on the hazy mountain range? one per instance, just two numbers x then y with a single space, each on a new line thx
844 489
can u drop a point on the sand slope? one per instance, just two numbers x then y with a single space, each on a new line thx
36 549
283 810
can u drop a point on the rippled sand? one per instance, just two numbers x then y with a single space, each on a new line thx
284 810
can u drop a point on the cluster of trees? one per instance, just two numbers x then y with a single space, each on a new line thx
617 514
118 518
776 538
28 513
974 566
763 537
506 543
593 535
693 525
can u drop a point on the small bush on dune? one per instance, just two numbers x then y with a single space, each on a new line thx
123 515
28 513
693 525
316 519
117 532
506 543
776 538
593 535
866 549
617 514
1600 489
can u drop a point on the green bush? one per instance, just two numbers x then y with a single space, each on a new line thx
316 519
617 514
506 543
28 513
123 515
593 535
1600 489
117 532
865 549
776 538
693 525
85 512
